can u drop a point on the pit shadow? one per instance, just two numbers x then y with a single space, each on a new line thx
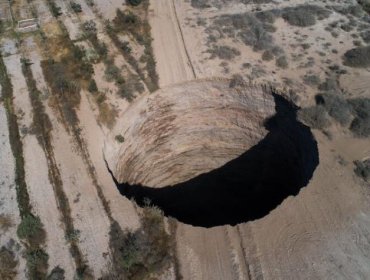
246 188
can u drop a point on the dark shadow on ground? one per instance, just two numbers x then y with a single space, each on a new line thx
246 188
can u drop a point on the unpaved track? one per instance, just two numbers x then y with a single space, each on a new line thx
173 64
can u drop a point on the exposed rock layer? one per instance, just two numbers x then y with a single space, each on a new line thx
187 129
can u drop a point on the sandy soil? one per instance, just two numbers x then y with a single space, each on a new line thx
95 142
172 61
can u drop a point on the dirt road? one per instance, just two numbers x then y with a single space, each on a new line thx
173 63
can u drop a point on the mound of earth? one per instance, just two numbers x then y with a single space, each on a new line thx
211 154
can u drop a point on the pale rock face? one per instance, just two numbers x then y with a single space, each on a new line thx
181 131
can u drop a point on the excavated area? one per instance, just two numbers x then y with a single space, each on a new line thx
211 154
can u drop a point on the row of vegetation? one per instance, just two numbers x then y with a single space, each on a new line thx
30 230
152 242
134 23
41 127
144 253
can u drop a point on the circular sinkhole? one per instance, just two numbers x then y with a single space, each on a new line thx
211 154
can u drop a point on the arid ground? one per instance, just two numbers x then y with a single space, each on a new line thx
80 86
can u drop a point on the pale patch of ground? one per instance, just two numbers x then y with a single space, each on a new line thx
95 142
8 196
108 8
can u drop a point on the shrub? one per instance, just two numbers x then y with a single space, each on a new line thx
304 15
119 138
134 2
337 107
282 62
200 4
362 169
360 126
315 117
144 252
237 81
75 7
5 222
312 80
30 228
267 55
357 57
36 262
249 29
111 72
8 264
55 10
56 274
92 86
224 52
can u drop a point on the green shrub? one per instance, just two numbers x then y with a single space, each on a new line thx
357 57
30 228
119 138
56 274
362 169
144 252
36 263
134 2
75 7
315 117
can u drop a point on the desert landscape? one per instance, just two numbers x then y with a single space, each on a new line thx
184 139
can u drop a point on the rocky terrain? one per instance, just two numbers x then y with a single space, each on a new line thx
177 97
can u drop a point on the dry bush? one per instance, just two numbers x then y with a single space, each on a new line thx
5 222
304 15
246 27
360 126
337 107
315 117
224 52
8 264
282 62
362 169
144 252
357 57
